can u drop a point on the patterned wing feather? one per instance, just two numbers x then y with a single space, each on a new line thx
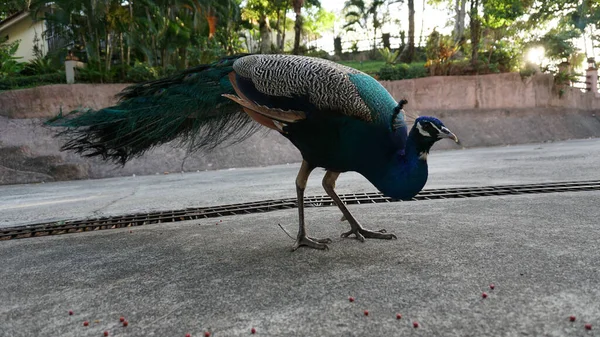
290 82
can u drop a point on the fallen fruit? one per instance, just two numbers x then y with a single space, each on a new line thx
351 299
366 312
588 326
253 331
415 324
125 323
484 295
105 333
188 335
207 334
86 323
70 312
121 319
572 318
492 286
398 316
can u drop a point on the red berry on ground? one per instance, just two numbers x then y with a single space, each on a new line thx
188 335
588 326
398 316
105 333
484 295
206 333
351 299
125 323
572 318
253 331
86 323
121 319
415 324
492 286
366 312
70 312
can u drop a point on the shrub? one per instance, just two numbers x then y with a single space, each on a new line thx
389 57
17 82
39 66
8 61
402 71
141 72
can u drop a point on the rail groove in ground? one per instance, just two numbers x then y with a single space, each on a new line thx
140 219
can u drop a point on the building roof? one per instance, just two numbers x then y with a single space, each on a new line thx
12 19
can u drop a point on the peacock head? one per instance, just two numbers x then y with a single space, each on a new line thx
428 130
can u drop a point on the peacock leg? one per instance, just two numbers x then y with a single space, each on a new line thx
303 239
355 227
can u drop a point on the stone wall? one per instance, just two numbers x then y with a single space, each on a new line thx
486 110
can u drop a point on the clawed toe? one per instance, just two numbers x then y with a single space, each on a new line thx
362 234
312 243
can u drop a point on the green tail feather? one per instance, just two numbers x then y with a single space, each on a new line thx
188 106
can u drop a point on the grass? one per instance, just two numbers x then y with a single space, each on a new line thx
369 67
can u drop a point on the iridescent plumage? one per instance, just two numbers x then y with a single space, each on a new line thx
338 117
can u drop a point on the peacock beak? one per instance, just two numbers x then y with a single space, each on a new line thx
447 134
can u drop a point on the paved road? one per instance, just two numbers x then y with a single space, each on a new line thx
21 204
540 251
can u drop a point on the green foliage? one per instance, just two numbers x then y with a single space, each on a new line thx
439 50
317 21
313 52
9 64
529 69
19 82
498 13
141 72
39 66
559 44
389 57
501 57
369 67
95 72
402 71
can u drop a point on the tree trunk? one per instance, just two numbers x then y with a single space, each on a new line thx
278 28
374 39
297 32
122 51
265 35
459 21
408 53
130 32
475 32
108 51
282 45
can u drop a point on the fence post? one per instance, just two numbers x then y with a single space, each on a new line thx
591 75
70 71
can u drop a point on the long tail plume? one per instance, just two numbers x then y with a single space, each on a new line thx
188 107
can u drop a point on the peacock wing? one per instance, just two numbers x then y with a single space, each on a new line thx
313 86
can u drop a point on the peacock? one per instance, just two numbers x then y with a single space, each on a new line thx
339 118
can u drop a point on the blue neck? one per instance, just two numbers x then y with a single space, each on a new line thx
405 174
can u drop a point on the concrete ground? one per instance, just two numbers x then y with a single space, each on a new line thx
540 251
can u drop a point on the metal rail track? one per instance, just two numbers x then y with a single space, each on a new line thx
140 219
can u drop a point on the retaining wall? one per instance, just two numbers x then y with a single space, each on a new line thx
485 110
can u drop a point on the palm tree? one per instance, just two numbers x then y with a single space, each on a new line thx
358 12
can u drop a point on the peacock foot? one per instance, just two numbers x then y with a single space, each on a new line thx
362 234
312 243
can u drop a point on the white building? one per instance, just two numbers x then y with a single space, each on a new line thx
21 26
